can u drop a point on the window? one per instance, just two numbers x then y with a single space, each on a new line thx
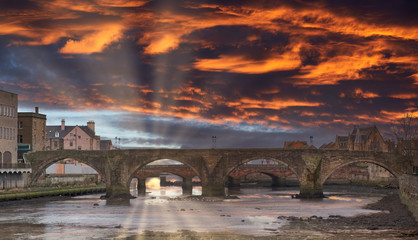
79 147
1 132
79 137
14 134
57 134
34 139
20 139
71 143
55 144
1 109
20 125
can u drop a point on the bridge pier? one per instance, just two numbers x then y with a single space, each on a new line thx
278 182
187 186
141 187
213 189
117 191
309 191
234 182
163 181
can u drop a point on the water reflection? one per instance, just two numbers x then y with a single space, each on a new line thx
153 189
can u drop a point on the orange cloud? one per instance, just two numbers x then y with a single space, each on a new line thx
398 115
277 104
240 65
359 93
94 42
162 43
404 95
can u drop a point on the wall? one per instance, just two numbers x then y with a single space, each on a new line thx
13 180
71 179
408 191
8 125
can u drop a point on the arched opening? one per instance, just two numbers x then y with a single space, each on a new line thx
366 173
67 172
7 158
262 173
165 178
258 179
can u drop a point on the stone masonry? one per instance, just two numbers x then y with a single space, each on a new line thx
213 166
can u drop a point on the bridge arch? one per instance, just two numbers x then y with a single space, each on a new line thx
273 178
147 175
327 174
141 166
39 169
247 160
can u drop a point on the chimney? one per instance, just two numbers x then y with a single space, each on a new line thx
91 124
36 110
62 124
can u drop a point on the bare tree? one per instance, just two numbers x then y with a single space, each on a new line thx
406 133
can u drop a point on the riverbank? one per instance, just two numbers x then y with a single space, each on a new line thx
41 192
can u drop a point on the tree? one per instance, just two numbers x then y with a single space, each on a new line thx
406 133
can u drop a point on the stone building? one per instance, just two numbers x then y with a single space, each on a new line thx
106 145
360 139
32 130
12 173
72 137
366 139
8 128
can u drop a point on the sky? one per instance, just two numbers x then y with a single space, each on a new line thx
253 73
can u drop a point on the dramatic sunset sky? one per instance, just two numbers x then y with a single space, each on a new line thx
174 73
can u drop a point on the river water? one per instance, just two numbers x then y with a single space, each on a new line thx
255 212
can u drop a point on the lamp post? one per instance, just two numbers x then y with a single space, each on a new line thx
117 142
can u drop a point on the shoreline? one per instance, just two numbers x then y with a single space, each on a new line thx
40 193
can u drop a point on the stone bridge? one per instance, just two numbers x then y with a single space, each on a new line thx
213 166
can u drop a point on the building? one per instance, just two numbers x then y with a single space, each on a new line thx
8 128
366 139
31 131
360 139
12 173
106 145
72 137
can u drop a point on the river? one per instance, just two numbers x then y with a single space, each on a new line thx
256 211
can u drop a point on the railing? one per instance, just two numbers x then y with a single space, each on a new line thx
14 165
